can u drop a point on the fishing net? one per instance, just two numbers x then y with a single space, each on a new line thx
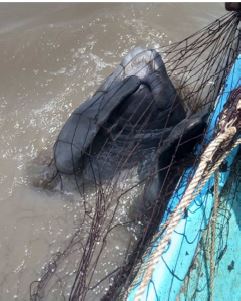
122 153
215 244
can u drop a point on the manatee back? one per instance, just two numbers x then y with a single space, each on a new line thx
140 79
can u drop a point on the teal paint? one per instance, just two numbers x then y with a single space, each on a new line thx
228 268
169 273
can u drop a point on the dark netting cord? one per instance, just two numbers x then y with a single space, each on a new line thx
198 67
200 268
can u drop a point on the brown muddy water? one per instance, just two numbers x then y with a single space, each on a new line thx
52 57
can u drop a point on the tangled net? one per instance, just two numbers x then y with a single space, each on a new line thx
116 218
199 282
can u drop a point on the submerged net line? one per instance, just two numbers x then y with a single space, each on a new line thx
121 165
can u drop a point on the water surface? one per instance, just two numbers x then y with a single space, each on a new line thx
53 56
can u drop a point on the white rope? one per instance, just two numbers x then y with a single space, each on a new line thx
214 154
203 172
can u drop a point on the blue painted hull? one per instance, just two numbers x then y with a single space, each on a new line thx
172 267
226 280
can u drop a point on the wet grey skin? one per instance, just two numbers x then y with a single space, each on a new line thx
112 121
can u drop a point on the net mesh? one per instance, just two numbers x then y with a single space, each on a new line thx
122 153
199 282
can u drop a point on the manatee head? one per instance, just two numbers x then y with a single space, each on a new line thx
142 62
149 67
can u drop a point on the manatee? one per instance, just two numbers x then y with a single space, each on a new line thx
134 120
140 84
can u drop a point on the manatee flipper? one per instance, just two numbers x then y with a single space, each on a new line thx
184 132
186 135
85 122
